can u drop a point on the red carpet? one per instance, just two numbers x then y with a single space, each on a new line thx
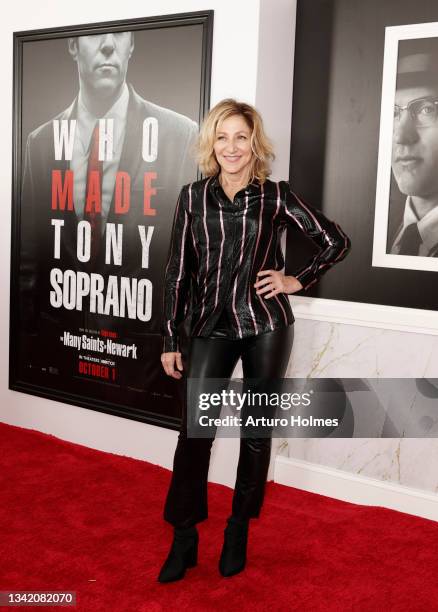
77 519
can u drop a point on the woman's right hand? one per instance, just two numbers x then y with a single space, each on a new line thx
168 360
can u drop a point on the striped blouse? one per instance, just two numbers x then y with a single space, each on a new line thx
218 246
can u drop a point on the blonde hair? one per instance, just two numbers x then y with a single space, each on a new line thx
261 146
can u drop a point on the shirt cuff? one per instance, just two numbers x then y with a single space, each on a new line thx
306 278
170 344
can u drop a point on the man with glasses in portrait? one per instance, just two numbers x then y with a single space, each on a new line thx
415 148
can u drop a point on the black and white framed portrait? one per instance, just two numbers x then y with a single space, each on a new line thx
105 118
363 146
406 213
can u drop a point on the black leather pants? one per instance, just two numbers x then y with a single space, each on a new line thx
265 355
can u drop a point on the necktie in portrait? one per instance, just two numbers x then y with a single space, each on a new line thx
410 241
93 199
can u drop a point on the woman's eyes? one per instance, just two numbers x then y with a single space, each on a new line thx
241 137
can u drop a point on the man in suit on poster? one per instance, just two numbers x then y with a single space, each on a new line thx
140 178
415 149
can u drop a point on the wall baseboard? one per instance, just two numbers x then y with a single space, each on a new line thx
413 320
354 488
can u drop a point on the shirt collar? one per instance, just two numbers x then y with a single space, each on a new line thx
427 225
252 187
409 214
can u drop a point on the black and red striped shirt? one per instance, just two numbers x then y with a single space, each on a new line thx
218 246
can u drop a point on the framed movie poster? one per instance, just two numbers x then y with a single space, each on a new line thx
105 118
364 142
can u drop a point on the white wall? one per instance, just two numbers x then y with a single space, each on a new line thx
235 72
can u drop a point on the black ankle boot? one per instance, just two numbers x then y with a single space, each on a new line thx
233 556
183 554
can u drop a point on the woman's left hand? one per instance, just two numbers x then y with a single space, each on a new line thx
275 282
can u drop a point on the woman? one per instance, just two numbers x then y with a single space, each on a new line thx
225 256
